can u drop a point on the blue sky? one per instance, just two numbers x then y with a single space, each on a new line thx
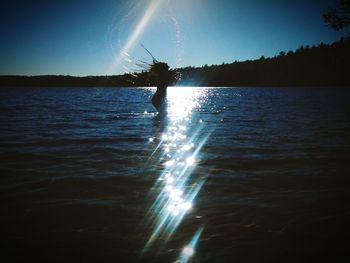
103 37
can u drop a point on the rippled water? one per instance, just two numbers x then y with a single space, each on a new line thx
257 175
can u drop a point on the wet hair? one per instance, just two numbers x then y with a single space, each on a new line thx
159 68
160 72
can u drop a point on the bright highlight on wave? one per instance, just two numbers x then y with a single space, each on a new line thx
179 146
189 250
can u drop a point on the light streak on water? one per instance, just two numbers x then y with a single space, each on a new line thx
189 250
179 148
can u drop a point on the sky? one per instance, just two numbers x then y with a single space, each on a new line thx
105 37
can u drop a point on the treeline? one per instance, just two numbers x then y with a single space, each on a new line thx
64 81
322 65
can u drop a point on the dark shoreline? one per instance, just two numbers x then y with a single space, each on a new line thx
316 66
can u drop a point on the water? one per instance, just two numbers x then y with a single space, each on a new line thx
83 175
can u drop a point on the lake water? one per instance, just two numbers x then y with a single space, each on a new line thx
225 175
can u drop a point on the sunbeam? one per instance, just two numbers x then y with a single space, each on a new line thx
136 33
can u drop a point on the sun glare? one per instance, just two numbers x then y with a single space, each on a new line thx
179 146
136 33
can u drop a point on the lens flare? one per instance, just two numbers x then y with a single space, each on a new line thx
136 33
189 250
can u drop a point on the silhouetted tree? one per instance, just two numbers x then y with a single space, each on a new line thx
339 17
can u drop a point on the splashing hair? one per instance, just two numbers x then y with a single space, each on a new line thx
158 70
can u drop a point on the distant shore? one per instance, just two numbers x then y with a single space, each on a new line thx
322 65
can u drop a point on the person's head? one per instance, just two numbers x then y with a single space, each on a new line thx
159 68
160 71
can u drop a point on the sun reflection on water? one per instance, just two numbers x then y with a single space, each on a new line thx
189 250
178 151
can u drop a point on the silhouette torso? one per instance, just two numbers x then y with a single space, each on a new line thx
160 71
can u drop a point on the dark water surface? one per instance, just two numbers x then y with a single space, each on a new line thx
83 175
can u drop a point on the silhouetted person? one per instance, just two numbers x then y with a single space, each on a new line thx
160 72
